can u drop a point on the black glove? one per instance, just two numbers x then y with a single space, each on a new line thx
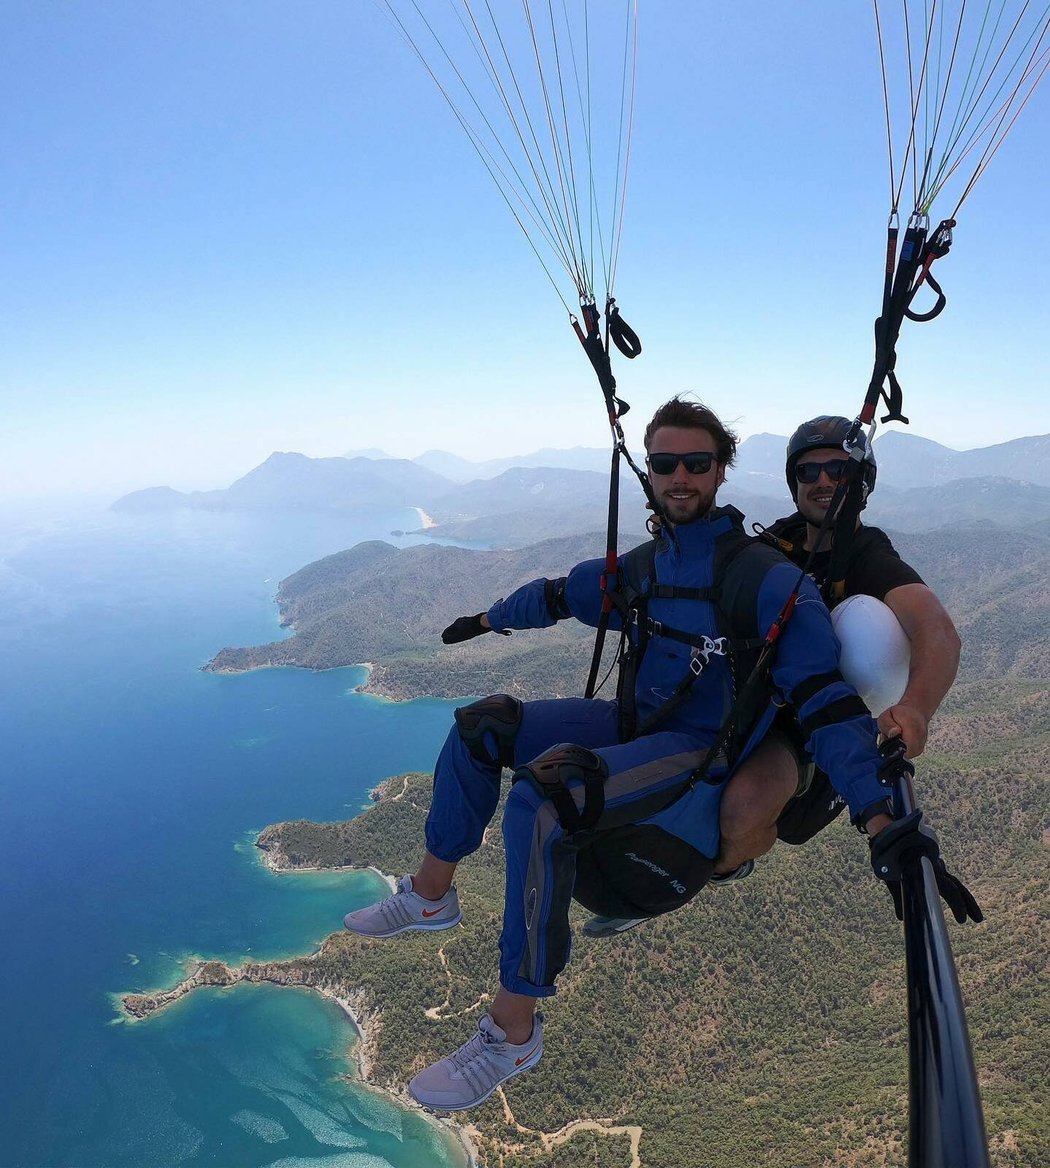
464 628
908 837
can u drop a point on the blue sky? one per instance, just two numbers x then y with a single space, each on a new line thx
233 228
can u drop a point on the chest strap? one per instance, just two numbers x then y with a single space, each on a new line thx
672 592
700 641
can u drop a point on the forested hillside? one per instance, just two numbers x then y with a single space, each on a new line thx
387 606
763 1023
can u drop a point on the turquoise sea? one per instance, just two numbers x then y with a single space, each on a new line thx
132 787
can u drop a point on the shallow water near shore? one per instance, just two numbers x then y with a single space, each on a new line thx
134 785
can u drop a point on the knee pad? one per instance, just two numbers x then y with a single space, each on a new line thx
499 715
551 773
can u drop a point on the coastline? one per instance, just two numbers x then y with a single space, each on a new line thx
278 865
365 1023
274 858
365 1020
424 519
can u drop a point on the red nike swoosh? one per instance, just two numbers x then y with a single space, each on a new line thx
433 912
525 1057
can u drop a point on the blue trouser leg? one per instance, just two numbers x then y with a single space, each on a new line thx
466 790
541 859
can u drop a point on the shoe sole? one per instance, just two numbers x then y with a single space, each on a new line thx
420 927
481 1098
733 877
612 932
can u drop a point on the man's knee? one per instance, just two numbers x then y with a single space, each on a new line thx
489 728
551 773
760 789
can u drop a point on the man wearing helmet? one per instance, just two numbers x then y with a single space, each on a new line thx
755 813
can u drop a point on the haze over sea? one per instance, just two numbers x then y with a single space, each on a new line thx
133 787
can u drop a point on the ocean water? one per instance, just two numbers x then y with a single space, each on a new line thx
132 786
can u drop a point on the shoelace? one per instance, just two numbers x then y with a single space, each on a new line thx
390 904
473 1056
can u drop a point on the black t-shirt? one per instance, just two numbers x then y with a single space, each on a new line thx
874 567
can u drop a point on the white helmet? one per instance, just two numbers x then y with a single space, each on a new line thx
876 652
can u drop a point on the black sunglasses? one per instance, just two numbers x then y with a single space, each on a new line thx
698 462
809 472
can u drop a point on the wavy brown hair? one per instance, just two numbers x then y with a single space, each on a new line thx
694 415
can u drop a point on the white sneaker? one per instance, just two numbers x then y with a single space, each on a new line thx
403 911
470 1075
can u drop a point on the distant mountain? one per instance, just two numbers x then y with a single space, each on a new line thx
760 465
152 499
574 458
370 452
922 485
334 482
295 482
542 488
906 460
449 466
463 471
1027 459
998 502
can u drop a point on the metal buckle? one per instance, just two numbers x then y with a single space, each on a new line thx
703 653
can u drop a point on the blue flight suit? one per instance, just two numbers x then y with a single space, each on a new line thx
647 789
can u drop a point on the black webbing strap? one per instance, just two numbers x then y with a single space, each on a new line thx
609 576
597 350
905 275
655 628
845 526
554 598
757 678
839 710
623 336
745 696
546 773
703 648
812 686
671 592
569 816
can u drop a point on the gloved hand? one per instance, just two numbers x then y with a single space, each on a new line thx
908 837
464 628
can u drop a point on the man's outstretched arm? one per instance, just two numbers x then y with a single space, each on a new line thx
538 605
935 647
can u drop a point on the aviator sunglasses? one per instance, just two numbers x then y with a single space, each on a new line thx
809 472
697 463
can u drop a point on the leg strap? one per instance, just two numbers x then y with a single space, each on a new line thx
552 771
498 715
